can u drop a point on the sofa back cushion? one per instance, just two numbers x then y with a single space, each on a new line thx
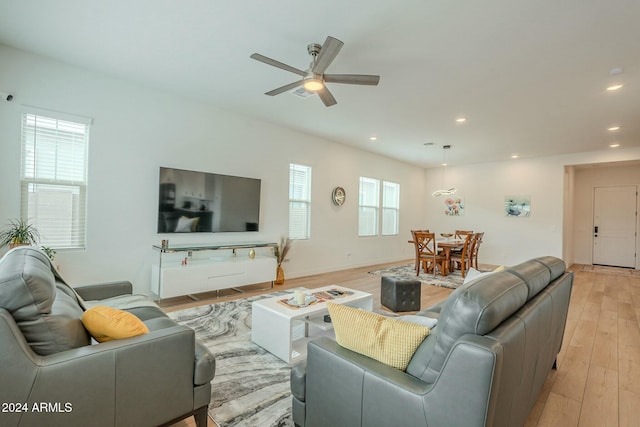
46 313
479 306
474 308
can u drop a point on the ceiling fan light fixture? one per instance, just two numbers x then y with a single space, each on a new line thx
312 84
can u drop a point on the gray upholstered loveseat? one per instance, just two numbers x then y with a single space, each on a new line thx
484 363
52 375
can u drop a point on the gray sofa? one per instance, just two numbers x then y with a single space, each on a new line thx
484 364
52 374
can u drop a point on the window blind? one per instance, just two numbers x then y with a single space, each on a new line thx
369 197
390 208
299 201
54 178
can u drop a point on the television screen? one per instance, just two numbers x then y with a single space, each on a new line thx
191 201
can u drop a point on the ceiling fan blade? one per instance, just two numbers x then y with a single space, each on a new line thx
326 97
277 64
352 79
284 88
328 53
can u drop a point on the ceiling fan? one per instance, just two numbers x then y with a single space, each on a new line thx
313 78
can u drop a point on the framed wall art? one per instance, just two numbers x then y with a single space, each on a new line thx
517 206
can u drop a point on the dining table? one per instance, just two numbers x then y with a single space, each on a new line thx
447 246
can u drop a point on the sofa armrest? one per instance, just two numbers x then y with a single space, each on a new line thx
363 391
143 380
100 291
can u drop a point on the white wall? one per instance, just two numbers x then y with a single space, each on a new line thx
510 240
137 129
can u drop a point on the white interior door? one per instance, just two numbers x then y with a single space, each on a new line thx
614 226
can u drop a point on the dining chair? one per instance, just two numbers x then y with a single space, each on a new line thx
462 259
413 240
461 234
427 255
475 248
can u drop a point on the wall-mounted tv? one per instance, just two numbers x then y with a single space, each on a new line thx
191 201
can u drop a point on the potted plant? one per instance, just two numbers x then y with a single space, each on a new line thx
51 253
19 232
281 252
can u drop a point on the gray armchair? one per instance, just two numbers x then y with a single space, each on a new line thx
52 375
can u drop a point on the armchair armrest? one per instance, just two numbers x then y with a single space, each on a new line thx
100 291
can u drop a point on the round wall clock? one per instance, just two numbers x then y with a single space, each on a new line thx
338 196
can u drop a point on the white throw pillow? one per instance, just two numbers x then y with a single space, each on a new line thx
429 322
473 274
186 225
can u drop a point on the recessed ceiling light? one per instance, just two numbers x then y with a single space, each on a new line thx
461 119
614 87
613 128
514 156
373 138
614 145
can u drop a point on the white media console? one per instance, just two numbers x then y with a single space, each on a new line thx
192 269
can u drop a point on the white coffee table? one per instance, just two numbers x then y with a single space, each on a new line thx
273 323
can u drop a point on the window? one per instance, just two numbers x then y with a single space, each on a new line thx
54 178
299 201
369 224
368 202
390 208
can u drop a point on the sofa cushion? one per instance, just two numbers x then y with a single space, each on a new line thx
475 308
385 339
534 274
47 315
108 323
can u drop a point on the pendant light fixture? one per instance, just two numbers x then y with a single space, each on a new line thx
451 190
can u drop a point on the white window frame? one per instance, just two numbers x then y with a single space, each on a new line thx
378 208
390 221
299 201
368 207
54 163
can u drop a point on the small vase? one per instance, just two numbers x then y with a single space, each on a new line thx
252 253
279 276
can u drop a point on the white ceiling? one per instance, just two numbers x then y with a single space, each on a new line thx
530 75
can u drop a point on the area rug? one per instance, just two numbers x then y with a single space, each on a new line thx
251 386
452 281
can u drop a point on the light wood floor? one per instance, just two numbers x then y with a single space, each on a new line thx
598 378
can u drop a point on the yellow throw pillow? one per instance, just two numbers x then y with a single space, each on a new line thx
107 323
497 269
387 340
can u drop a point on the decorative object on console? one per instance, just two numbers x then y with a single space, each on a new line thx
281 252
252 253
338 196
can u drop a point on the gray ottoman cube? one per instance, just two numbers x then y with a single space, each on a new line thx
400 294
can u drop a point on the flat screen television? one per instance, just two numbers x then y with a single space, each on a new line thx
192 202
